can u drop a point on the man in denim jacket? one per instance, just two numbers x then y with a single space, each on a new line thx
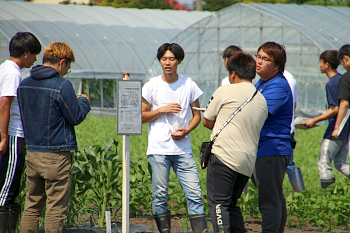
49 111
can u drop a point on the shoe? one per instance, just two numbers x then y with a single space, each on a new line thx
4 218
15 211
199 223
163 222
326 183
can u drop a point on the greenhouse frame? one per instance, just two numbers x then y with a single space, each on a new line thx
110 41
106 41
305 31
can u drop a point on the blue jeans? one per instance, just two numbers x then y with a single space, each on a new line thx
185 169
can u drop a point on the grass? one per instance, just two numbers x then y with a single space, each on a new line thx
96 130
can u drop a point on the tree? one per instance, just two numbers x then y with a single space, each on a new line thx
114 3
215 5
151 4
141 4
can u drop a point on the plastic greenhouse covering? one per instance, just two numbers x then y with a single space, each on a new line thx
110 41
306 31
106 41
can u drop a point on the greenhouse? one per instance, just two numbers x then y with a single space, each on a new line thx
106 41
306 31
110 41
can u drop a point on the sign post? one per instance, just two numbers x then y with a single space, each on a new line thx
129 122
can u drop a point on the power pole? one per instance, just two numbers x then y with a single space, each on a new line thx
198 5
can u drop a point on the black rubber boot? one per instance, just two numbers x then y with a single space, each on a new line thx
163 222
15 211
4 218
224 229
326 183
199 223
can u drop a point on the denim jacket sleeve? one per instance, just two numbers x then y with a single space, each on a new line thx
74 110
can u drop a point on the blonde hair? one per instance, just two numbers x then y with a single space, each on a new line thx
57 51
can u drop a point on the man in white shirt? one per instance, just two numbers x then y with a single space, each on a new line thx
294 173
24 47
167 101
226 54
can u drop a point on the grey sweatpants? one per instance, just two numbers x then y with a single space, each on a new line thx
336 150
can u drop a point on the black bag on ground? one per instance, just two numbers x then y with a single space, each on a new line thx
205 153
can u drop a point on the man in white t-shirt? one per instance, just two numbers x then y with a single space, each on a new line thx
24 47
167 101
294 173
226 54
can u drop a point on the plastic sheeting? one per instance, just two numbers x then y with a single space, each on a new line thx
306 31
106 41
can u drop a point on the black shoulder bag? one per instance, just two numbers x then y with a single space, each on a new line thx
206 146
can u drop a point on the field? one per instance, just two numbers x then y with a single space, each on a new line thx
98 180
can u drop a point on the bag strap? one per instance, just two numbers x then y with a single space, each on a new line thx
234 114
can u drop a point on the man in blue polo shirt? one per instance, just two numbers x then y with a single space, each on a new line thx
274 150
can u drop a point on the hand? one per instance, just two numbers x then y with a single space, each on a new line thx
179 134
3 146
335 133
310 123
171 108
85 96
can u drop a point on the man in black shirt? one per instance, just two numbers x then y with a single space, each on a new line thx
344 87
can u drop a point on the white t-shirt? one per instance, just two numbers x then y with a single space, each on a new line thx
10 78
158 94
293 86
225 81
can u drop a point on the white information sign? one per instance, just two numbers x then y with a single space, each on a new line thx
129 112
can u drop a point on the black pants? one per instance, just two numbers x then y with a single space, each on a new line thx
12 165
269 175
224 188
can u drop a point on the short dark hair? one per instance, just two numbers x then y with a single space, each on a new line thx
277 52
174 48
23 41
230 50
243 64
330 56
344 50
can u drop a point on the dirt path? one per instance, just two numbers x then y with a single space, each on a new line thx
252 225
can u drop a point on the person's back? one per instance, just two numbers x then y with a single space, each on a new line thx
233 154
240 138
51 110
343 57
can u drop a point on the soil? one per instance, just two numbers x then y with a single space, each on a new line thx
251 224
147 224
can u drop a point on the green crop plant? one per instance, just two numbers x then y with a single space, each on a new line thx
249 204
96 171
328 208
